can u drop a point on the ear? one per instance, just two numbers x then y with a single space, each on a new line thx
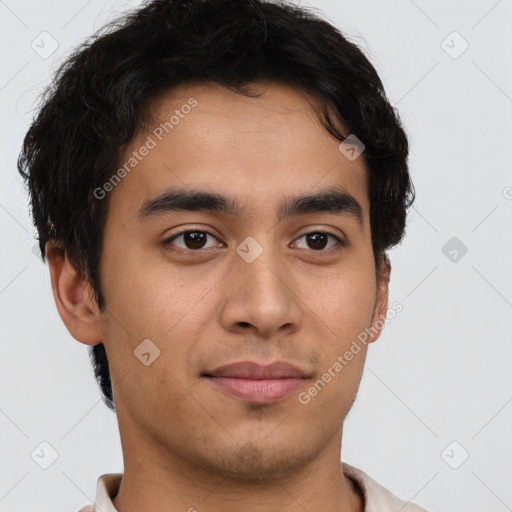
381 301
73 297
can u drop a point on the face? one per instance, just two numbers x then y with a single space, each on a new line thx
208 284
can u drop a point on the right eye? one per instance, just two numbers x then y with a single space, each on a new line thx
190 240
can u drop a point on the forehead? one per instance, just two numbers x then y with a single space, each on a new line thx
255 149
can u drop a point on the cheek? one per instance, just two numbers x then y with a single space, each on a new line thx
343 301
344 305
181 299
152 297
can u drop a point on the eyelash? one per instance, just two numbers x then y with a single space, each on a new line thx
167 242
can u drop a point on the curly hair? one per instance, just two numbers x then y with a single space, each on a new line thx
100 99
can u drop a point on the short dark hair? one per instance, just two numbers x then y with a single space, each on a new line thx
101 95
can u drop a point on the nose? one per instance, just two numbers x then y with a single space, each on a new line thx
261 298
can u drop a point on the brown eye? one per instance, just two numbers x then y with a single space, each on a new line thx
194 239
190 240
319 240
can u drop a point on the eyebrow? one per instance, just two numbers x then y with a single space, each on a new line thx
330 200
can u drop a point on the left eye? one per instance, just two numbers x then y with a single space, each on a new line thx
318 240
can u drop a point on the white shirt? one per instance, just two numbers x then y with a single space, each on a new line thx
376 497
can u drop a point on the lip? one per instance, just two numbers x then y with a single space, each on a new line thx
257 383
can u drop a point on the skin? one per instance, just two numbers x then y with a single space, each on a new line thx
187 445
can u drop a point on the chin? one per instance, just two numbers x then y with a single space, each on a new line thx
254 462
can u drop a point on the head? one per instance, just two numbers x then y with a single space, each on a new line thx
227 118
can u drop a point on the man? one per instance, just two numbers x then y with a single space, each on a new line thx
215 184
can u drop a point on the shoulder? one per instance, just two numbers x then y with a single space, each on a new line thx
87 508
107 487
377 497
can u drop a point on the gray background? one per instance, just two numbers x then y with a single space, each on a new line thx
441 370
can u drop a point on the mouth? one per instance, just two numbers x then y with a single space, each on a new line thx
252 382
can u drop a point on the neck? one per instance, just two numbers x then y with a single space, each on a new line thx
159 480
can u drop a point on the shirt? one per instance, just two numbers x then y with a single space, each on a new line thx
376 497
